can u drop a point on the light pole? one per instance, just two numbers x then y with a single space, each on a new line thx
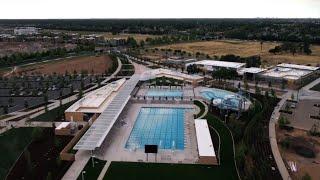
92 158
225 118
82 174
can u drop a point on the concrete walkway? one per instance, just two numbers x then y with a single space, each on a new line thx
82 158
273 139
307 93
104 170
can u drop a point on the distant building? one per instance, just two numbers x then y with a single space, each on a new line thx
25 31
116 41
156 73
291 73
211 65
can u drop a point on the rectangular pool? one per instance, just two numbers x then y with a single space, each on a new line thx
164 93
161 126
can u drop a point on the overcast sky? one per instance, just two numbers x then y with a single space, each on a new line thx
50 9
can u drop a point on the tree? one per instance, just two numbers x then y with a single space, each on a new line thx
26 104
246 85
36 134
257 88
80 94
10 101
292 96
283 84
283 121
306 176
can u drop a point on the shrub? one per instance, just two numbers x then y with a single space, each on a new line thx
285 143
304 151
283 121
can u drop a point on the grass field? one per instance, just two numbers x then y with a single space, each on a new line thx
54 114
316 87
92 172
97 63
247 48
13 143
154 171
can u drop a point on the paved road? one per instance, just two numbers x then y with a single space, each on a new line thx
307 93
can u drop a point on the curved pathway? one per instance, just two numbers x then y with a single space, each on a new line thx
273 139
206 109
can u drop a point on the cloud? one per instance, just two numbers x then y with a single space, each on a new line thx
28 9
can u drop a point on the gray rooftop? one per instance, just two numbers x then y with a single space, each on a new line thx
98 131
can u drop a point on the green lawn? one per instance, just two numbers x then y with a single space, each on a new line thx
201 106
4 116
13 143
316 87
53 114
92 172
154 171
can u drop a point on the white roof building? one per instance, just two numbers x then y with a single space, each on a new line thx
290 71
206 151
151 74
251 70
296 66
210 64
97 100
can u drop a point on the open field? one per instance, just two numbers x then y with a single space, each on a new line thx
138 37
98 64
304 165
247 48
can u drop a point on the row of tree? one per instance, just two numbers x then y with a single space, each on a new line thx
291 47
22 58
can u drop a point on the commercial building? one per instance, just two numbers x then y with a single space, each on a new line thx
292 73
25 31
155 73
206 151
211 65
93 104
250 73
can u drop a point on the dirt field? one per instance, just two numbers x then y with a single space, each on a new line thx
304 165
98 64
247 48
138 37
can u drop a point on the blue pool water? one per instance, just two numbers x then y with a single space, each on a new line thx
225 99
161 126
164 93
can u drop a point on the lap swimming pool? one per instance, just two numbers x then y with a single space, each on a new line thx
158 126
164 93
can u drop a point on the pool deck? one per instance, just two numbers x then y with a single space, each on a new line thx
113 149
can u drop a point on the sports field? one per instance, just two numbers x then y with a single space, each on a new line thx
247 48
88 63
